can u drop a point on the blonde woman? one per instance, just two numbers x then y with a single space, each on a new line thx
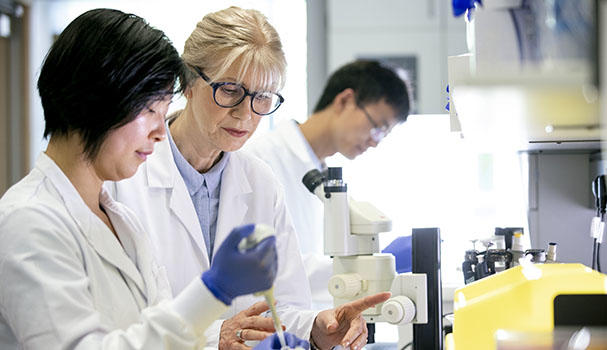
196 186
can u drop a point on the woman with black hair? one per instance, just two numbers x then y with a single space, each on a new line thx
76 267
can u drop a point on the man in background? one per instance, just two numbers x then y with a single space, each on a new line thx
359 106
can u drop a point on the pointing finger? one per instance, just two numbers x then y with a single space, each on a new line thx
362 304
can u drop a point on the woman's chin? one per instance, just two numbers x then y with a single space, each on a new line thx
232 147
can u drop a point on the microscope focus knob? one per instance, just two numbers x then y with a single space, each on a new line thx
399 310
345 285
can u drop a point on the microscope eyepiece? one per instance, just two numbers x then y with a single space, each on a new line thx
334 174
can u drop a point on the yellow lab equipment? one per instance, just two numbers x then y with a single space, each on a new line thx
518 299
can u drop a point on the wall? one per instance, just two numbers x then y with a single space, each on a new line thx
424 29
317 51
4 115
13 91
560 196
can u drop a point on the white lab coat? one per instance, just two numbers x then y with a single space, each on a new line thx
290 156
249 193
68 283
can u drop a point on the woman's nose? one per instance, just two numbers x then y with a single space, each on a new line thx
243 110
159 131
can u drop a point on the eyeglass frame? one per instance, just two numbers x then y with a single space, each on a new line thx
216 85
377 132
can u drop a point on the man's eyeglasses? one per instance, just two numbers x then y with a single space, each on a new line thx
228 95
377 132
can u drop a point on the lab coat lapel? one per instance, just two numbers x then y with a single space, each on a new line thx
102 240
99 236
292 135
162 172
234 199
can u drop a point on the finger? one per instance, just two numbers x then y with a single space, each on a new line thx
359 342
357 327
259 323
256 309
265 245
237 234
239 346
362 304
252 334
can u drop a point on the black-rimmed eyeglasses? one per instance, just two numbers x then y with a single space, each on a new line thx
377 132
228 95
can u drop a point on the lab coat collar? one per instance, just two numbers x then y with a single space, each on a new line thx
235 194
99 236
298 144
162 173
138 247
160 168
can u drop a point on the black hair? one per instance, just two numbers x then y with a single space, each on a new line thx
371 81
100 73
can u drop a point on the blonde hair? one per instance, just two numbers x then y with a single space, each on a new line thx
240 38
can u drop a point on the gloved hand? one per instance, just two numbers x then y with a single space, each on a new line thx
234 273
272 342
401 249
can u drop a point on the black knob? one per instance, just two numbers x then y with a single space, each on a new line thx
312 179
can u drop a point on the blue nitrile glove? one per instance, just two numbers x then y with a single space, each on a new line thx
234 273
272 342
462 6
401 249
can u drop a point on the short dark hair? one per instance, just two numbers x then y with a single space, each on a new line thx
102 70
371 81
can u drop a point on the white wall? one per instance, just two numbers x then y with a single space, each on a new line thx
424 28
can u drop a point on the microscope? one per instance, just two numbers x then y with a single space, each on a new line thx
351 231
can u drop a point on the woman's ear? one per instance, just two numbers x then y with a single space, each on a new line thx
188 92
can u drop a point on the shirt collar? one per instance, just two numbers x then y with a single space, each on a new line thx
193 179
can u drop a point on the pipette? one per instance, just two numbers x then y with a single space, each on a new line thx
260 233
269 295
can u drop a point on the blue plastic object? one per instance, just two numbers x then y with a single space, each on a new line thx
447 106
234 273
401 249
272 342
461 7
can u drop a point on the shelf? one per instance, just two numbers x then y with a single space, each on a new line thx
527 110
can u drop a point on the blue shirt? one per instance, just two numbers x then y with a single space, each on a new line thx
204 191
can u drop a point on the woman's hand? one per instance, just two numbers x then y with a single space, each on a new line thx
344 325
249 325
